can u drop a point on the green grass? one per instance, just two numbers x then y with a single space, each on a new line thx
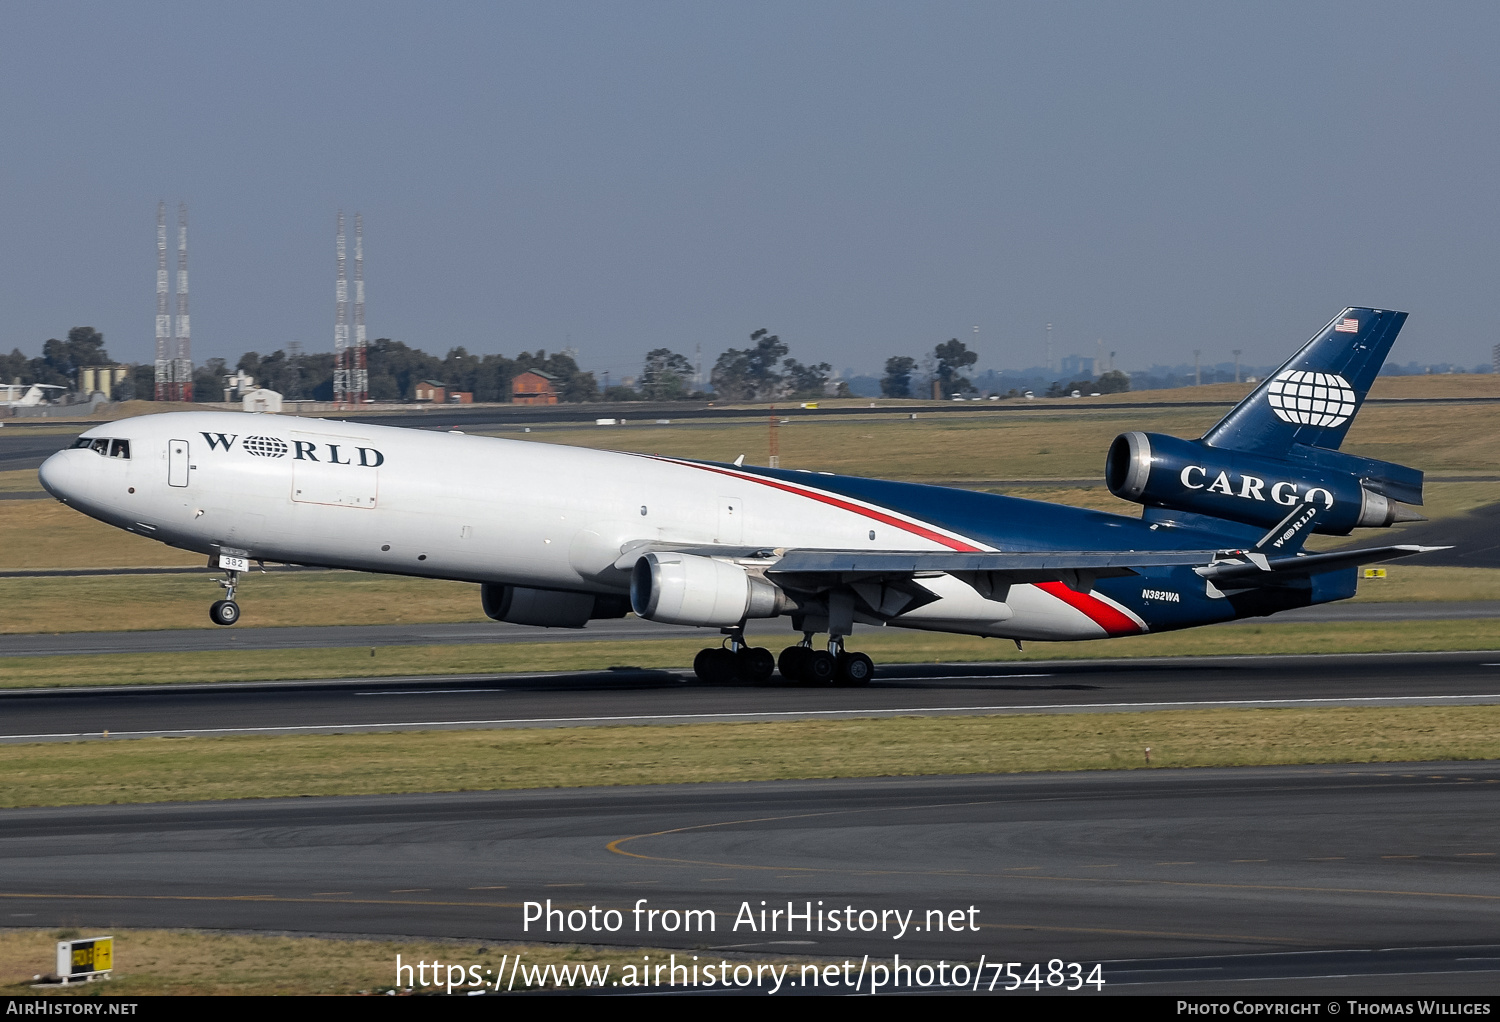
890 646
47 534
19 480
100 603
190 769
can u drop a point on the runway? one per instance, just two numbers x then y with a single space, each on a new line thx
633 696
1257 880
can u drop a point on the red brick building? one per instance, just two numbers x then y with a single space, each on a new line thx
431 390
534 387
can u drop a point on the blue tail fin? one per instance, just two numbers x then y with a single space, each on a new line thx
1312 399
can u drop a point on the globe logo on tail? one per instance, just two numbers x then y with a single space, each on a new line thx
1306 398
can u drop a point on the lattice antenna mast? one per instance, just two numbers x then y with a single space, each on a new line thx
163 311
359 377
341 325
183 361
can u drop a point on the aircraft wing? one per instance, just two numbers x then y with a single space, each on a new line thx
813 570
844 566
991 573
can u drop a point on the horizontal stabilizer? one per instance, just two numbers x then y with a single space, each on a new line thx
1258 570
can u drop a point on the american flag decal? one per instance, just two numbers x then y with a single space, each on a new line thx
1347 326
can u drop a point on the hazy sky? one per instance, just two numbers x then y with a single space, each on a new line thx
865 179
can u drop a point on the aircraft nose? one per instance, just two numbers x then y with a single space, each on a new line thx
59 474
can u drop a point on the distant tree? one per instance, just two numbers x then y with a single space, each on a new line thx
208 380
953 360
620 392
666 376
296 377
730 377
897 379
750 374
1113 382
806 381
124 388
15 367
60 359
460 370
395 369
143 383
492 378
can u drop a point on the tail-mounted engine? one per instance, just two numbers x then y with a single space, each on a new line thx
686 589
1189 475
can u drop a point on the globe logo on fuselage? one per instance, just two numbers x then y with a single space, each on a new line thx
1306 398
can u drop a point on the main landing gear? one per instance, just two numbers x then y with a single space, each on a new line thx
226 611
735 661
738 662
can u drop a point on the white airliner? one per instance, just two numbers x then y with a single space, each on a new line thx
557 536
30 395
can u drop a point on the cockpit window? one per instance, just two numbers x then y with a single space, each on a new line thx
109 448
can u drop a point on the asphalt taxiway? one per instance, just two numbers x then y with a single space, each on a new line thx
1378 879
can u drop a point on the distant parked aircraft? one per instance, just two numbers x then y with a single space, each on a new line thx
30 394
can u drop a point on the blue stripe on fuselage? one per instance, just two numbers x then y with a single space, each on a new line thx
1014 523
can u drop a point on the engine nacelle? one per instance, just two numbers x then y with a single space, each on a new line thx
1185 475
685 589
548 608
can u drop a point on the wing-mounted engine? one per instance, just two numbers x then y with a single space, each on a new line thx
689 589
549 608
1257 489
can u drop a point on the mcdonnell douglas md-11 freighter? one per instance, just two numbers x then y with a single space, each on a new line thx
558 536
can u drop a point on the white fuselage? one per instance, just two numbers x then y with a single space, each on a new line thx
482 509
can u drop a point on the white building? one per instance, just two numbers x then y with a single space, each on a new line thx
261 400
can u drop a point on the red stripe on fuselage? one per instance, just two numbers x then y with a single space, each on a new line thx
911 527
1102 614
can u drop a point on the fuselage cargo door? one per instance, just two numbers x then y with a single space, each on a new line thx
335 470
731 521
177 462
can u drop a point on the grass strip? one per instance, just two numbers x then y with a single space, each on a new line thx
890 646
175 962
99 603
253 766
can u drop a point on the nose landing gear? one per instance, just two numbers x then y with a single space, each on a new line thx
226 611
